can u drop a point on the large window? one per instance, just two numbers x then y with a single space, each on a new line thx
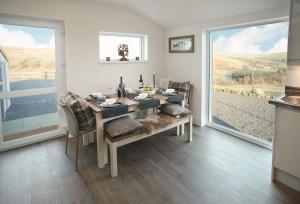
248 66
27 63
134 44
30 55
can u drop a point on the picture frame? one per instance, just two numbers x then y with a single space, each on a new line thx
181 44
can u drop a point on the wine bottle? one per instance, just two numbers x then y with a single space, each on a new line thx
141 82
121 88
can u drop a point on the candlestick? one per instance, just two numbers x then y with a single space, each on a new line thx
153 79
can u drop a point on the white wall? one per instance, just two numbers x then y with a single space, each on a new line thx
83 21
293 76
184 67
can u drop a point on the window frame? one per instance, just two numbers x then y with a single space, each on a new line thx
60 87
144 47
207 79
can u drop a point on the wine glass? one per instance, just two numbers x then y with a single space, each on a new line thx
111 88
164 83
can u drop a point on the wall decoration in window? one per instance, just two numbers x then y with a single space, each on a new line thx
124 47
123 51
182 44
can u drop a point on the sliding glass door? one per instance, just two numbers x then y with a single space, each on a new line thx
30 64
247 68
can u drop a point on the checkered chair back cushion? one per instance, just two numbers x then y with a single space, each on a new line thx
183 88
85 118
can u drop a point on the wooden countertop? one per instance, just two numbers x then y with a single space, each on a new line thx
291 99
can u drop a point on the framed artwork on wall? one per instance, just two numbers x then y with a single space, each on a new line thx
181 44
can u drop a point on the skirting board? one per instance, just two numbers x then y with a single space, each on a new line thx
287 179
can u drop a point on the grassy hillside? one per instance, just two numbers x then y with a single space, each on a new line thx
235 71
240 61
30 63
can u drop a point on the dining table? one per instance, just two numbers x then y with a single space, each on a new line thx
133 106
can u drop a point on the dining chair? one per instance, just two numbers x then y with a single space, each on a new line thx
72 128
185 88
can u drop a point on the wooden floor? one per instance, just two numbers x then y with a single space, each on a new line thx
215 168
29 133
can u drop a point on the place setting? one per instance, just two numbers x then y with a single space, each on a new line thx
144 93
103 101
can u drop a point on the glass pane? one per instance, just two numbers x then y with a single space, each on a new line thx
27 57
109 46
29 115
249 66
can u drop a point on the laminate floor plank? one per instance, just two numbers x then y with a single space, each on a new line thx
215 168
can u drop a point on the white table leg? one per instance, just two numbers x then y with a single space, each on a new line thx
101 143
113 160
182 126
105 153
191 129
178 130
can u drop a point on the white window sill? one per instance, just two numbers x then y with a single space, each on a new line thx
122 62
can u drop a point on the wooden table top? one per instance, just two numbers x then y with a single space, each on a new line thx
133 105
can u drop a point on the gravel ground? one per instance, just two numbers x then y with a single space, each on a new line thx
248 114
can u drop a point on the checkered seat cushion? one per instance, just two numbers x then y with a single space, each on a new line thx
183 88
85 118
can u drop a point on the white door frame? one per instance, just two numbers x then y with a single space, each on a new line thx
60 76
207 79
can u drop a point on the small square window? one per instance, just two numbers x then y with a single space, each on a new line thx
116 47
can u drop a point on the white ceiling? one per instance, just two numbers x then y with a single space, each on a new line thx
169 13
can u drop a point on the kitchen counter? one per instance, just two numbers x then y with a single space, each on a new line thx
287 101
286 141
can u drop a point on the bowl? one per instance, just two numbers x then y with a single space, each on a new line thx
148 90
110 101
97 94
169 91
142 96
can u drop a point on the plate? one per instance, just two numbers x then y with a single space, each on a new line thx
141 96
169 91
140 99
105 105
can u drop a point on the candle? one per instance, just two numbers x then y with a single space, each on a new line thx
153 79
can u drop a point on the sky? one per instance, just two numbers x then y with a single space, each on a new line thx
26 36
270 38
